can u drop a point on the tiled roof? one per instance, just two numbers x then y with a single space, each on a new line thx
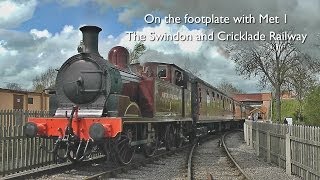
20 91
253 97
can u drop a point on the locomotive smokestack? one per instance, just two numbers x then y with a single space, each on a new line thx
90 39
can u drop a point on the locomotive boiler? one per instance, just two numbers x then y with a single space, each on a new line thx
91 95
118 108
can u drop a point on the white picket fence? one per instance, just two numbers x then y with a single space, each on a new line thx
295 148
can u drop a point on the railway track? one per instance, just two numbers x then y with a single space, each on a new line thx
208 159
144 168
99 168
212 160
53 169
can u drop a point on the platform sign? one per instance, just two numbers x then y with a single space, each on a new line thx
289 120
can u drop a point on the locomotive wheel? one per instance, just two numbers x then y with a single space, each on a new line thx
169 137
72 151
72 156
60 155
151 147
123 150
105 148
179 137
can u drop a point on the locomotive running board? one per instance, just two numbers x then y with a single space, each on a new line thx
152 120
81 112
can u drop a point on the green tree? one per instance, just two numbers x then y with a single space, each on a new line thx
300 81
312 107
138 50
45 80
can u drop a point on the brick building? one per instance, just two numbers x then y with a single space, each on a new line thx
261 103
14 99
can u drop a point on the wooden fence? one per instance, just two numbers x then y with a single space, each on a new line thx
17 152
294 148
18 117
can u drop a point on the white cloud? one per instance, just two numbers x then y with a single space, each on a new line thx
52 50
40 34
41 51
13 13
6 52
70 2
40 55
166 47
300 14
67 29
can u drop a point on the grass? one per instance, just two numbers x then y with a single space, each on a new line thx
289 108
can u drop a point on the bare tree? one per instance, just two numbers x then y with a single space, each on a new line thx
191 68
229 88
45 80
14 86
271 61
138 50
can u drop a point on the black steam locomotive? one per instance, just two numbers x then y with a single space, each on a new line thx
117 107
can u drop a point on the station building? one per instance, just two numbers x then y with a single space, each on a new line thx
23 100
261 103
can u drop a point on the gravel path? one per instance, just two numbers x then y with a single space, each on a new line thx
211 159
171 167
256 168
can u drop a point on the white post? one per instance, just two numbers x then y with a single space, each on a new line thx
257 140
288 152
250 136
245 132
268 147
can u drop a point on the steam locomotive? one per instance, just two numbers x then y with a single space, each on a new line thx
118 108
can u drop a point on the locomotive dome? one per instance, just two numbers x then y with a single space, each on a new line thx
119 56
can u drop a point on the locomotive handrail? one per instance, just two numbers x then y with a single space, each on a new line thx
69 130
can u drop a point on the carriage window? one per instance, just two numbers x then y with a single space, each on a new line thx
223 102
178 76
162 71
200 95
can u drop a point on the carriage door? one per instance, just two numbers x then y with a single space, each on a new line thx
17 101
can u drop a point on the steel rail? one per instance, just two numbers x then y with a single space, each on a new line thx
51 169
190 177
134 165
206 138
231 157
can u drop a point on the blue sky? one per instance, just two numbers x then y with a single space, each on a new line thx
53 16
38 34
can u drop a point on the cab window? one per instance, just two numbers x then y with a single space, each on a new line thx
178 78
162 71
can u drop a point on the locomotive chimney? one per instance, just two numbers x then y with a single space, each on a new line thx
89 42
